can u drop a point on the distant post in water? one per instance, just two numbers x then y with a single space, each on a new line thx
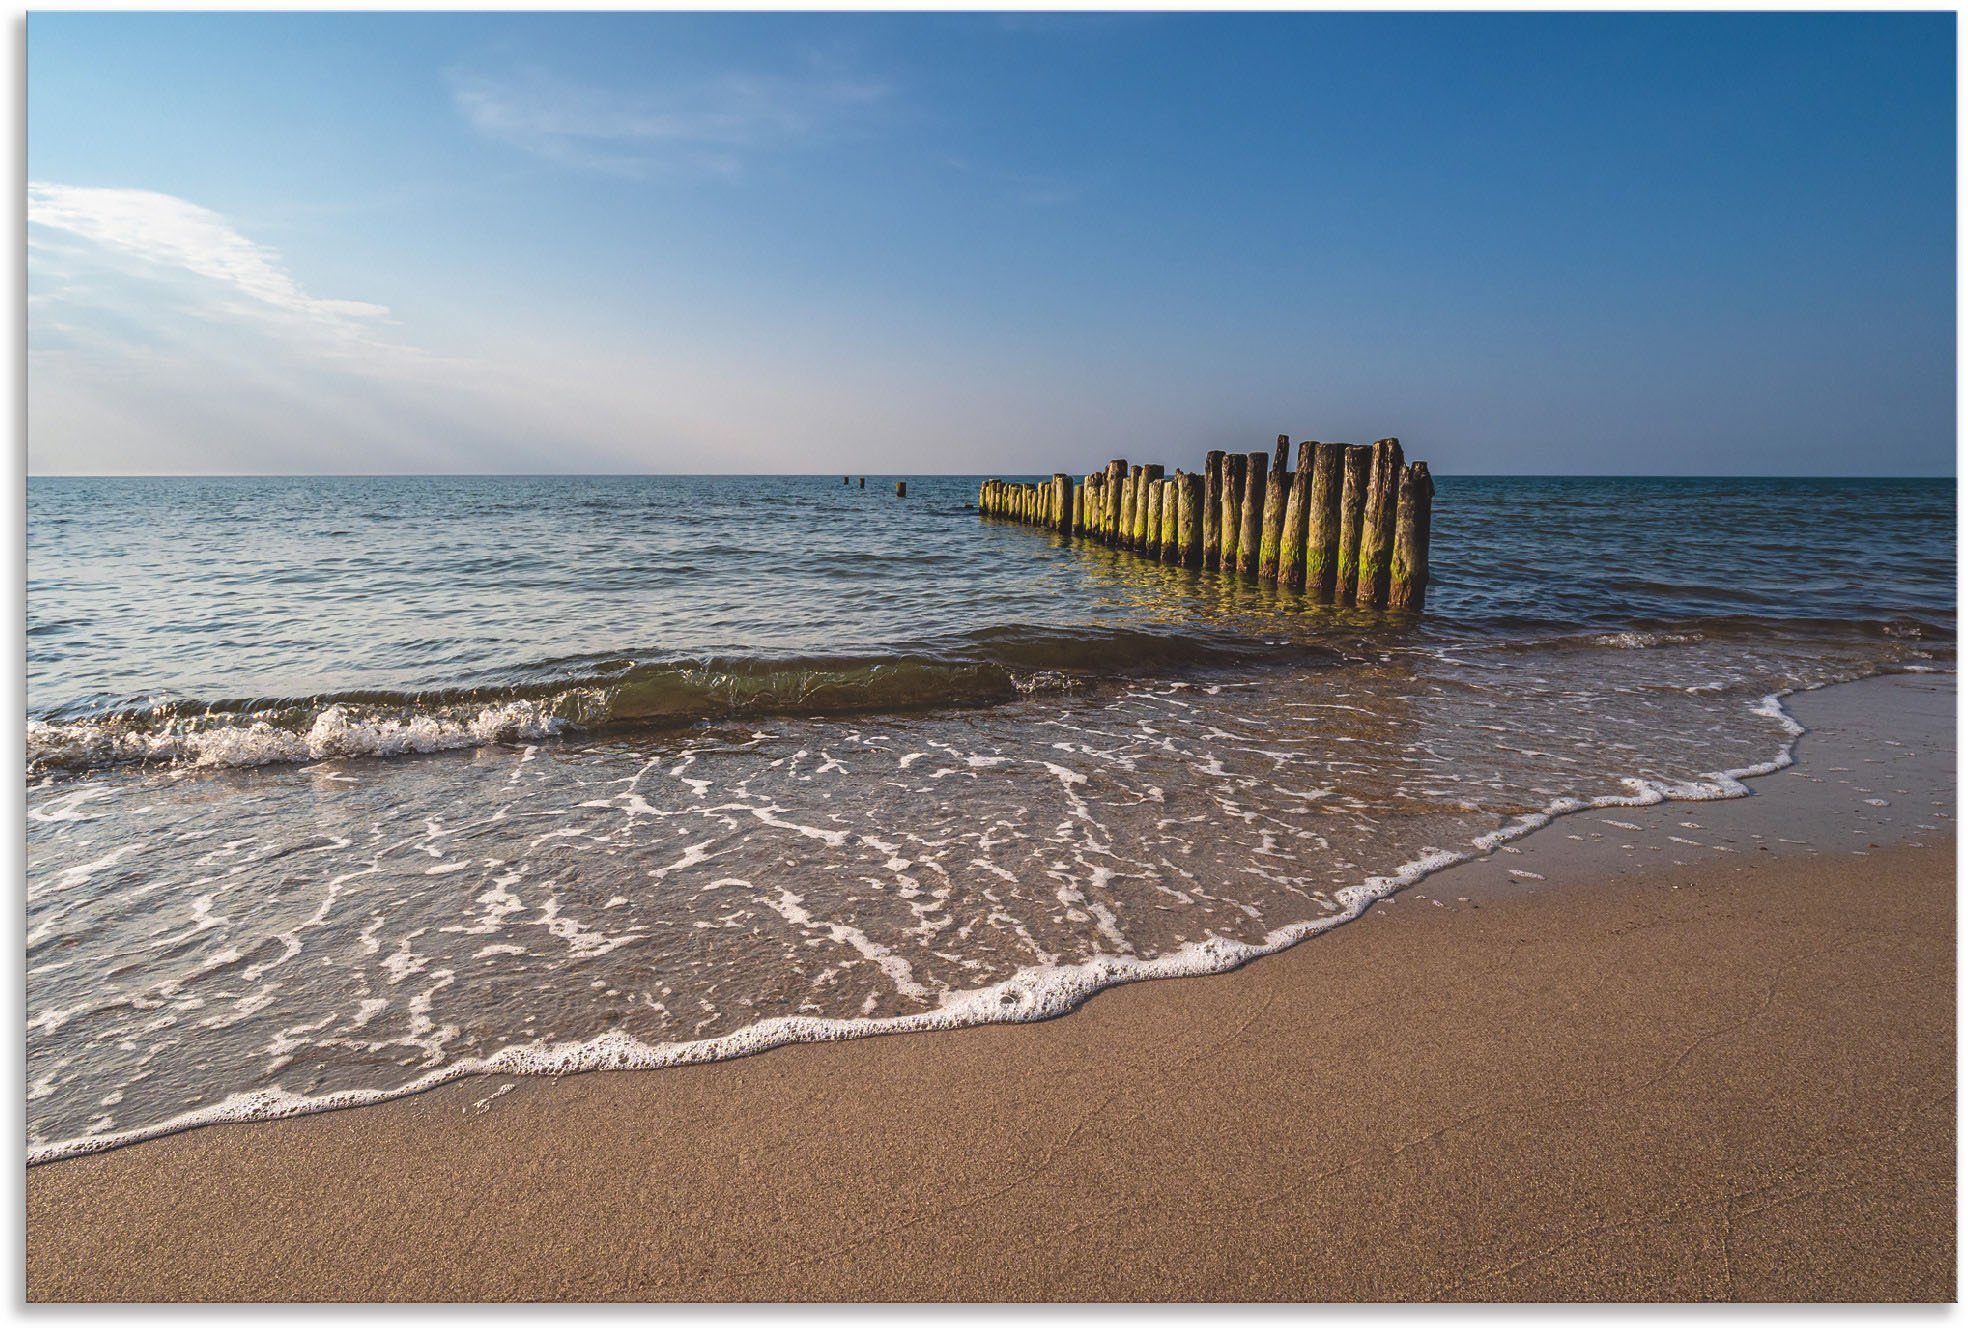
1407 585
1271 529
1250 513
1352 507
1291 538
1377 523
1212 514
1322 520
901 488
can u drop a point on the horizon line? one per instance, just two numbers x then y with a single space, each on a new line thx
914 475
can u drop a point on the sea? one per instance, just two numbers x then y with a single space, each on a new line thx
341 789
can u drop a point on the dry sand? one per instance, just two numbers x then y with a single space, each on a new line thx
1693 1051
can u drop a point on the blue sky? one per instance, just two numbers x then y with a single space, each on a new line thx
1542 243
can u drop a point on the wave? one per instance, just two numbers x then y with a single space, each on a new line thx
545 700
1033 993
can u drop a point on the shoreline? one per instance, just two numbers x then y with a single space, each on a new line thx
410 1198
1029 996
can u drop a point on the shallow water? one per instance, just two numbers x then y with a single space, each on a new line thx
688 767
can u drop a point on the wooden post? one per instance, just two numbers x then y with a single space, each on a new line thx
1322 520
1170 549
1149 475
864 482
1271 532
1352 508
1062 502
1291 539
1377 524
1229 518
1096 502
1151 526
1111 495
1078 511
1129 489
1189 520
901 488
1212 514
1408 574
1250 513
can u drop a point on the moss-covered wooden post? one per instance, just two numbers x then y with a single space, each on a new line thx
1352 507
1322 520
1271 528
1190 507
1230 519
1407 585
1212 514
1062 501
1150 474
1291 539
1151 524
1130 486
1111 498
1167 548
1250 513
1377 523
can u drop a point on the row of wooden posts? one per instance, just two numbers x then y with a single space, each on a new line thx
1348 526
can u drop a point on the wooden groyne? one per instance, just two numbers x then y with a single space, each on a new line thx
1347 525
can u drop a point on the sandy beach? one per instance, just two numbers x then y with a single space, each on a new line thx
1687 1052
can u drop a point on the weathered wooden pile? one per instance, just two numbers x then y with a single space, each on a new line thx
1348 526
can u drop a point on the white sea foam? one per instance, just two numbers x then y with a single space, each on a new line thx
1034 992
247 741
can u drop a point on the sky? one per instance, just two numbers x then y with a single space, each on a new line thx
1594 244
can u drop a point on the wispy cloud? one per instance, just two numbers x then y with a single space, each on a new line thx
88 245
713 126
159 228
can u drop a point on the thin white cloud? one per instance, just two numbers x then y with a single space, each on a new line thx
711 126
166 230
163 264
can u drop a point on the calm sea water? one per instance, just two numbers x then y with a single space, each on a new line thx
341 788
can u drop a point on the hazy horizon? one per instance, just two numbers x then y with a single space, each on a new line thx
1569 244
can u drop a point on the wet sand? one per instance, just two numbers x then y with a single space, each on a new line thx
1691 1051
